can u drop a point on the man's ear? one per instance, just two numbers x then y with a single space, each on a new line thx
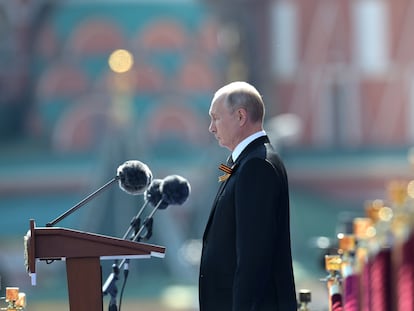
242 115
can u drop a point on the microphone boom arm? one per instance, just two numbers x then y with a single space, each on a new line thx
135 221
146 221
81 203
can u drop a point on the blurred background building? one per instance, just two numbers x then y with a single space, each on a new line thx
86 85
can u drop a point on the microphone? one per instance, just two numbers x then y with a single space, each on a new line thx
175 190
172 190
134 178
151 195
154 194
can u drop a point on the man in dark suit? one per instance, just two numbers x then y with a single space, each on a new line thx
246 261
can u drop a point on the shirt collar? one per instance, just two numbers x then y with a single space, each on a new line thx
243 144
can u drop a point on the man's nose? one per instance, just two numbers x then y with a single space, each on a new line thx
212 128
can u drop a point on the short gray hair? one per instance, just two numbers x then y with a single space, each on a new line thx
241 94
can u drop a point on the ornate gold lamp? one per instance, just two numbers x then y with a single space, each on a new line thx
333 264
14 299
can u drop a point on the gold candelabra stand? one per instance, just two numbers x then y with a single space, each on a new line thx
333 265
14 299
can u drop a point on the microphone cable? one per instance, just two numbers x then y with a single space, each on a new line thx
126 273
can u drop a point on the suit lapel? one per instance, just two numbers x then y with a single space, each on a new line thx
210 218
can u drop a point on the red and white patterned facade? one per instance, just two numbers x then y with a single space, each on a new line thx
346 68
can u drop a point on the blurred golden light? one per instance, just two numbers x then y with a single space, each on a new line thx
21 301
371 232
372 209
362 227
346 242
120 61
397 191
12 293
410 189
385 213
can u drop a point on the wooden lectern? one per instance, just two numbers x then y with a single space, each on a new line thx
82 252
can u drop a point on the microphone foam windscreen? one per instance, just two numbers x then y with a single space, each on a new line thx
153 194
175 189
134 177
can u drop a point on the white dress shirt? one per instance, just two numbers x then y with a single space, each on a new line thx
243 144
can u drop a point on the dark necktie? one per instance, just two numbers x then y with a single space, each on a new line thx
230 161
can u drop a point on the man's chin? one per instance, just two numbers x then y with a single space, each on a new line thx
223 145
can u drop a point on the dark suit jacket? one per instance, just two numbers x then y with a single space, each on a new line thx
246 261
